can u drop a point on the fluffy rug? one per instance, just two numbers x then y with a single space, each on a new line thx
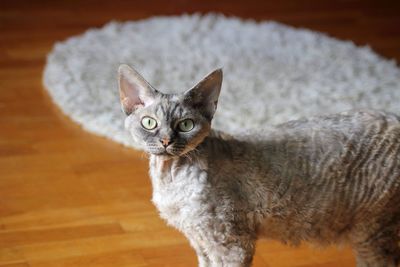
272 72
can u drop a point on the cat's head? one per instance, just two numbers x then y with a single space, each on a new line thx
168 124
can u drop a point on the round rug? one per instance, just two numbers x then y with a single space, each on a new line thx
272 72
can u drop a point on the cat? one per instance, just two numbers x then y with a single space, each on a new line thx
326 179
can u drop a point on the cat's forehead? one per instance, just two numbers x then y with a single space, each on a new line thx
170 107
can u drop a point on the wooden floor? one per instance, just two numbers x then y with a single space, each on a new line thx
68 198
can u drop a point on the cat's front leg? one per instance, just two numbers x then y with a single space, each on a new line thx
203 260
233 254
202 257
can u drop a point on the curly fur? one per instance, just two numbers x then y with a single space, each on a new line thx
326 180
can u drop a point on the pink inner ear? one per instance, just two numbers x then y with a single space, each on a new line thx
129 105
129 94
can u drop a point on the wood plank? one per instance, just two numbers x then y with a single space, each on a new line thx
19 264
116 258
34 236
9 256
92 246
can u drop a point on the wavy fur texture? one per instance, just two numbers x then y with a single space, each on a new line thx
326 179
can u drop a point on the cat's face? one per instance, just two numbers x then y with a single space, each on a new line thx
168 124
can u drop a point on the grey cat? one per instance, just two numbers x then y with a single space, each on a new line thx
327 179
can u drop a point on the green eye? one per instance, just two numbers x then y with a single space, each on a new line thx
149 123
186 125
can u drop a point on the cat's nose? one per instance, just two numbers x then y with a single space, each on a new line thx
165 141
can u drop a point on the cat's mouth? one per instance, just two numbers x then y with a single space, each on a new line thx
161 151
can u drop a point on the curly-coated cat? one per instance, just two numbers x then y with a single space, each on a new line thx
327 179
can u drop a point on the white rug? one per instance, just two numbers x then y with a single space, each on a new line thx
272 72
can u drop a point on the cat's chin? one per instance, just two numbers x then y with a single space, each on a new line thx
170 152
164 154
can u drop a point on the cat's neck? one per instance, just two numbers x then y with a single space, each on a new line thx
220 135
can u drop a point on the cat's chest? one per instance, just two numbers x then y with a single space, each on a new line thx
179 190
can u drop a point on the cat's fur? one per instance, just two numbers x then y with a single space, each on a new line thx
327 179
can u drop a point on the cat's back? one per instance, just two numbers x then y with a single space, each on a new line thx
357 139
340 169
353 154
352 130
348 123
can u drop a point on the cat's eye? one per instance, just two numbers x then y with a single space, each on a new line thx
149 123
186 125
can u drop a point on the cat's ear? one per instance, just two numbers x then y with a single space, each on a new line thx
204 95
134 91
